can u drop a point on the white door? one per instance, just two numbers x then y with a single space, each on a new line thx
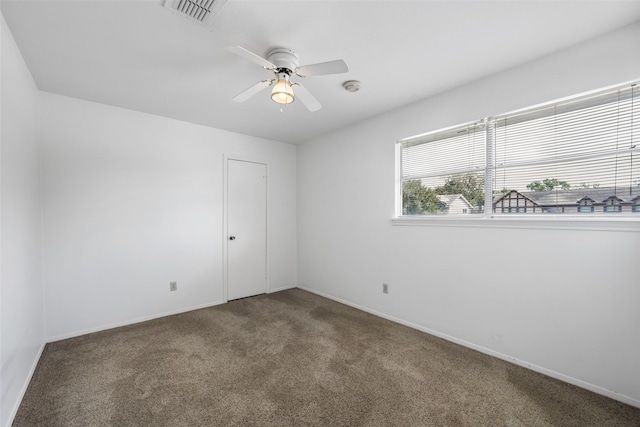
246 229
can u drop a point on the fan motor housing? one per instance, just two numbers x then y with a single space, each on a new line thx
284 58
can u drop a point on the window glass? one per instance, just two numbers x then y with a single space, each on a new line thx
558 154
443 173
558 158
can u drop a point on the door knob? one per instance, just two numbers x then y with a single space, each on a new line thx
232 237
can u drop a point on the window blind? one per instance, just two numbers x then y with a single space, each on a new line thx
585 143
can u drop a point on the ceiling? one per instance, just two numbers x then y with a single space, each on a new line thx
140 56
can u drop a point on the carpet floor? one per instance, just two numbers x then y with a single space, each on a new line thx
293 358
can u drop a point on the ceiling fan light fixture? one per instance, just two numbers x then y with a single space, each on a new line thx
282 92
284 63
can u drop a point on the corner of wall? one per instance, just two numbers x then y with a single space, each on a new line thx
21 286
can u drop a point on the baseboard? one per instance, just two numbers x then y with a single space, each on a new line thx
553 374
281 288
16 406
146 318
130 322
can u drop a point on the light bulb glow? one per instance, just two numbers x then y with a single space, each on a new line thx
282 92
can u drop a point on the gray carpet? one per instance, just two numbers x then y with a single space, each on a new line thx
293 359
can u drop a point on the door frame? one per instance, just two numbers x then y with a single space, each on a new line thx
225 219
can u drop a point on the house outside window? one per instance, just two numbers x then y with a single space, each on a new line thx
514 202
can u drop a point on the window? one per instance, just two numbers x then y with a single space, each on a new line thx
613 204
564 157
585 205
440 166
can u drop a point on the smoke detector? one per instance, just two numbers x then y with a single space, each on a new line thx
201 11
351 86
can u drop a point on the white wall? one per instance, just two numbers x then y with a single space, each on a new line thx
563 301
133 201
21 294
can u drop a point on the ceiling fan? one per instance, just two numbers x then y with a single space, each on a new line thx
285 63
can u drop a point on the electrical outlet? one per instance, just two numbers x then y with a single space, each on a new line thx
385 288
173 286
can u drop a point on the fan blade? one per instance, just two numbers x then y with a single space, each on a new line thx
248 93
306 98
332 67
244 53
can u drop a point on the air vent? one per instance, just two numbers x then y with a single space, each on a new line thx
200 11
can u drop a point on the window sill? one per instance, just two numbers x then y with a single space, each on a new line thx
549 222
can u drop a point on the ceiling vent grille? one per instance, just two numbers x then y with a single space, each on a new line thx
200 11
